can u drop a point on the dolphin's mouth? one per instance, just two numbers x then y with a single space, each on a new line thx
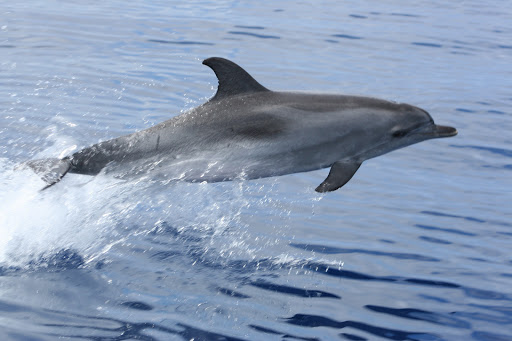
433 131
444 131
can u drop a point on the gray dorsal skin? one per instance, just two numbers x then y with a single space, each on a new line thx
247 132
233 80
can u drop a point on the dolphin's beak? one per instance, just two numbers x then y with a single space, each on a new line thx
444 131
433 131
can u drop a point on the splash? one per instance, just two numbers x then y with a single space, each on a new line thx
36 224
89 215
81 219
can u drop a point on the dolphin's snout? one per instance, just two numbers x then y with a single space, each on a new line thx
445 131
432 131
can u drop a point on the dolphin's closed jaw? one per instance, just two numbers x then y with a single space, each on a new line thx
444 131
433 131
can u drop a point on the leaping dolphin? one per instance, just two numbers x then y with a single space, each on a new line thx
247 131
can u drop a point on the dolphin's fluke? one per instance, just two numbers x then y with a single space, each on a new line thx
341 172
50 170
233 80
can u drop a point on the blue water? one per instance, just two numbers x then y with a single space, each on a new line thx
417 246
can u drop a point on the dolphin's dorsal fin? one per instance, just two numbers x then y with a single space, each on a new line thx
341 172
233 80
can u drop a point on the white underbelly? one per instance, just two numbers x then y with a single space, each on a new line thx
214 166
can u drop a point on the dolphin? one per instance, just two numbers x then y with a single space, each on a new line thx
246 131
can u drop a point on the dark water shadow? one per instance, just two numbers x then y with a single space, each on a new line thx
250 27
346 36
62 260
358 16
65 259
469 111
137 305
499 315
422 315
232 293
441 214
455 231
353 275
242 270
179 42
288 290
103 328
488 336
352 337
418 43
336 250
285 336
251 34
313 321
395 14
434 240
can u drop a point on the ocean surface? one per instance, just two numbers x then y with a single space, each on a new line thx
417 246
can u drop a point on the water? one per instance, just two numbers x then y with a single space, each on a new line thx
415 247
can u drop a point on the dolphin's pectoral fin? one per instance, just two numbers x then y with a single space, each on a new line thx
233 80
50 170
341 172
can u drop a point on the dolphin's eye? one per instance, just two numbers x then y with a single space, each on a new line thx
399 133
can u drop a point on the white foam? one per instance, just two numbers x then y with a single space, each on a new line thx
89 215
34 224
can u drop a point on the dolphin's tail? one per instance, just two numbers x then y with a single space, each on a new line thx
50 170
